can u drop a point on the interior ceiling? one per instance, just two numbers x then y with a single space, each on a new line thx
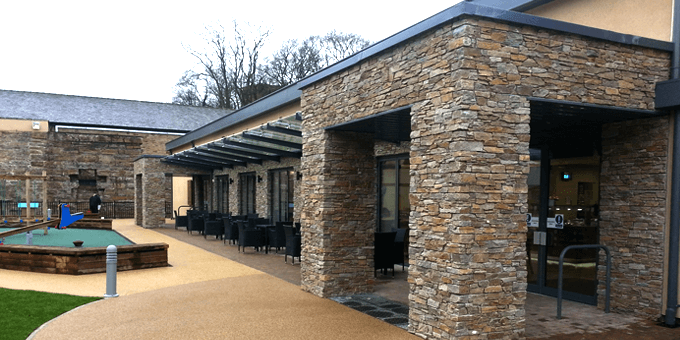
573 129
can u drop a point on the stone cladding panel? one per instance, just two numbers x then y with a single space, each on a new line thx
468 84
62 154
633 188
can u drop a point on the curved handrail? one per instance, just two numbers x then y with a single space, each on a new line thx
182 206
608 277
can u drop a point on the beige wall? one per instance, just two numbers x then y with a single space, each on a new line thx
279 113
180 193
645 18
22 125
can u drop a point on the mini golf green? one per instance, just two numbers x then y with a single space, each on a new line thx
65 238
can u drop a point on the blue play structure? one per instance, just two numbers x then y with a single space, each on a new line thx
66 217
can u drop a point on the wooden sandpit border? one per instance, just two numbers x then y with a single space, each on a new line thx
78 261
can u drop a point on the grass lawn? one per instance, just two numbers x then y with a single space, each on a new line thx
23 311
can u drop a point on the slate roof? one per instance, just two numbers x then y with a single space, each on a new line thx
102 112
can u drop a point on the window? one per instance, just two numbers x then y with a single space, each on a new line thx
393 193
247 193
282 195
222 194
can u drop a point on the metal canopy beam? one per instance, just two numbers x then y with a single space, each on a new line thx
199 155
191 164
255 155
272 140
281 153
199 161
280 129
211 151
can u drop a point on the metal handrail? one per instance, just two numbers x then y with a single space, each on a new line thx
608 277
182 206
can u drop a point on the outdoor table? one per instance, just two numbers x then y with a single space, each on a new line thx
266 228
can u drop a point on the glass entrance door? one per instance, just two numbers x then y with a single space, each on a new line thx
563 211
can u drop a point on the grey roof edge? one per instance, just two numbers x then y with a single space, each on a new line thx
282 97
116 127
466 8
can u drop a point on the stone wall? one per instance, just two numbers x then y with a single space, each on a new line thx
468 84
71 155
633 192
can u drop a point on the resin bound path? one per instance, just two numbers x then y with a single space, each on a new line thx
202 296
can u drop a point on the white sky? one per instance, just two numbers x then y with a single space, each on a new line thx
133 49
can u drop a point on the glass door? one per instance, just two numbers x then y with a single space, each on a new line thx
563 211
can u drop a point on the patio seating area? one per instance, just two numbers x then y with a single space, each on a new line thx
244 231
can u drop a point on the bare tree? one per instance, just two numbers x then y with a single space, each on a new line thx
336 46
295 60
188 92
246 81
232 75
227 77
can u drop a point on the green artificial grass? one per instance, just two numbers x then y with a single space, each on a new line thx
65 237
23 311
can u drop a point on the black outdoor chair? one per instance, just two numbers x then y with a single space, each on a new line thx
293 244
277 237
181 221
384 252
399 247
215 228
230 231
249 237
196 222
251 216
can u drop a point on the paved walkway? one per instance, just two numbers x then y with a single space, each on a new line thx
202 296
212 291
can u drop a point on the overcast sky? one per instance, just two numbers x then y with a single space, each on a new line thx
133 49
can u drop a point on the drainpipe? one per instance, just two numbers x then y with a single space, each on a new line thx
674 232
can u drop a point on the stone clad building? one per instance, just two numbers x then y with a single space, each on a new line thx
497 133
84 145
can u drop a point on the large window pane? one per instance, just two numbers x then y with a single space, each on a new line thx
247 193
388 196
282 195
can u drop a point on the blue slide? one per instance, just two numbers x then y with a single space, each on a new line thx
66 217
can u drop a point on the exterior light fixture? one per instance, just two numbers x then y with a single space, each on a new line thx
36 126
299 176
259 178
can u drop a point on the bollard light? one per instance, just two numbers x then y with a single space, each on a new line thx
111 271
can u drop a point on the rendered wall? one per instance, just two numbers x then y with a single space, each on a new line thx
649 19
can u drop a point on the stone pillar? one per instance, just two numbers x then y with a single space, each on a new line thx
150 175
633 189
138 200
467 240
339 213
